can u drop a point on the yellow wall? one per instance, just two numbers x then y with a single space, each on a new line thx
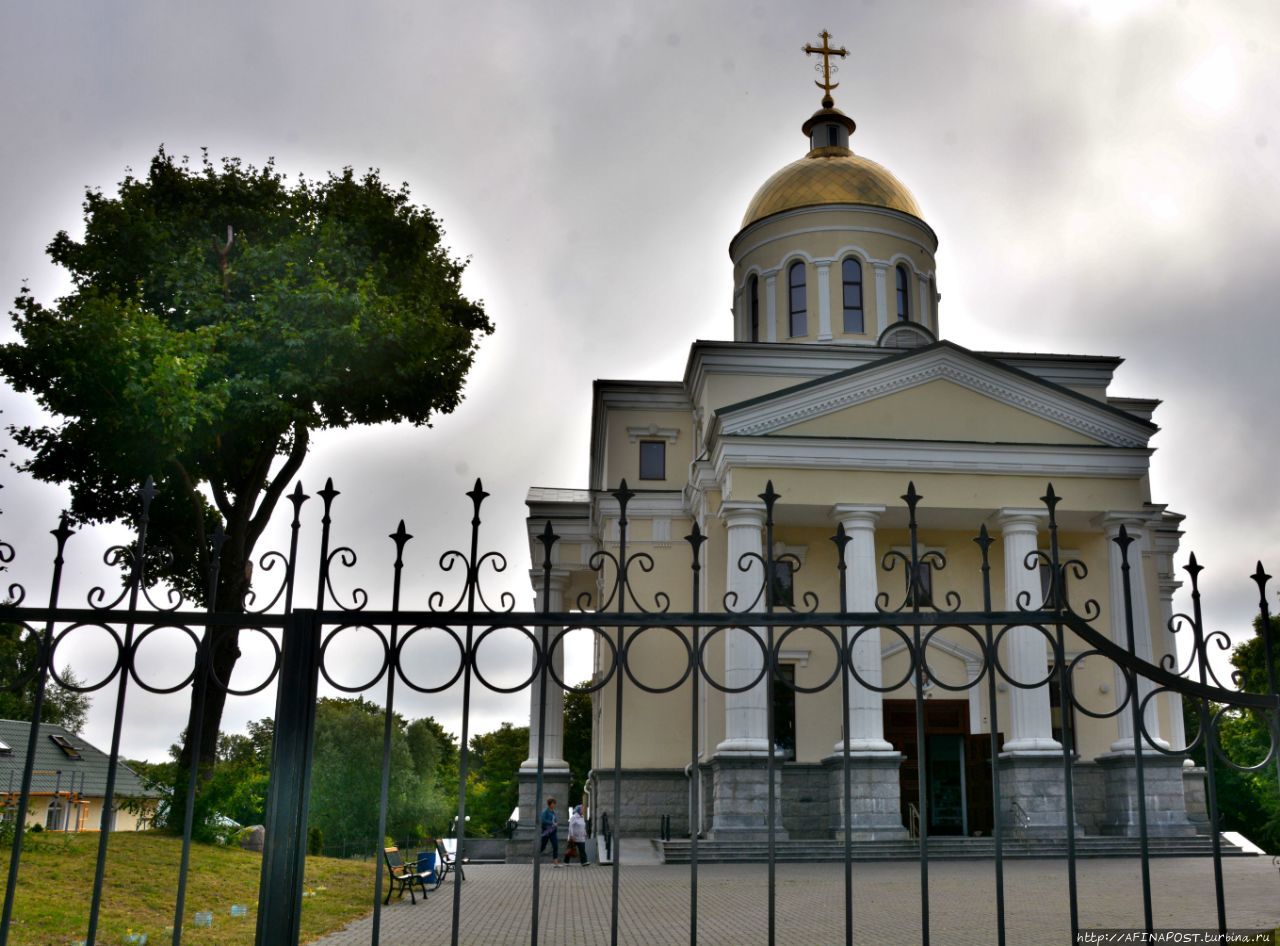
939 410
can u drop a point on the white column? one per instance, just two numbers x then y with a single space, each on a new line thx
865 724
824 302
1030 725
1164 543
553 747
741 317
745 713
923 307
882 301
771 307
1135 524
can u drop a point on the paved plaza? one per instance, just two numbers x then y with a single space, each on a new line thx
733 903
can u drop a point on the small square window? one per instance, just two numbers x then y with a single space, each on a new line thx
653 460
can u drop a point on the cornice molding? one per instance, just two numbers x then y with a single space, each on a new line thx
925 456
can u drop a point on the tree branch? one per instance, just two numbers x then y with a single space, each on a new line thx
220 497
301 438
193 493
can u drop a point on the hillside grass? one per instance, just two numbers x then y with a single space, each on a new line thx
55 888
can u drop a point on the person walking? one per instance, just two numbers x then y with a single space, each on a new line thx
578 834
548 822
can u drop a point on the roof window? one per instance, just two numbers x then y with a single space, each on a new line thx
63 743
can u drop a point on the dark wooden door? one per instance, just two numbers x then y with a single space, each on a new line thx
941 717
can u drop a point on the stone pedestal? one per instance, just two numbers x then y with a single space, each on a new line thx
740 798
1165 795
1196 798
1033 795
555 784
875 802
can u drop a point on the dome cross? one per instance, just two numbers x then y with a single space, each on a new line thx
826 52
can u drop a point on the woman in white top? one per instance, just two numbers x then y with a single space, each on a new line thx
578 833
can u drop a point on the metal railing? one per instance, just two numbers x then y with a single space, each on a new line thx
618 619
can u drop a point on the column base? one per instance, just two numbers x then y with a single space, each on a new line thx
875 802
1033 795
555 784
740 798
1166 800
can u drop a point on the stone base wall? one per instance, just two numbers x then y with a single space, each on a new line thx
1166 803
804 800
740 799
875 798
555 784
1193 790
1033 795
1089 790
647 795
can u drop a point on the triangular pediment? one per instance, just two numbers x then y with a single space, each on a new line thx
942 392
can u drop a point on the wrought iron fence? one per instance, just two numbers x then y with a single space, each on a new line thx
618 618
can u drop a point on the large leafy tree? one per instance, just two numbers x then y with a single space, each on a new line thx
220 314
577 739
493 787
1248 802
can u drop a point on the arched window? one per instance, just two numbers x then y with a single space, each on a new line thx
851 275
753 290
799 308
904 300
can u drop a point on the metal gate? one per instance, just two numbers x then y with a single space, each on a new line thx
616 616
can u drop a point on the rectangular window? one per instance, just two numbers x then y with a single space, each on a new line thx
853 308
782 585
63 743
653 460
924 585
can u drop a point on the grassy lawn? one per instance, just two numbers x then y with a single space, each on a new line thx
55 886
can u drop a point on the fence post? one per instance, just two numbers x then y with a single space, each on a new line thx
285 850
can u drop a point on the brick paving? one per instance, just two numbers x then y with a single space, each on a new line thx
653 903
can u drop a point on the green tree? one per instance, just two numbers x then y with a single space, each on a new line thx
492 785
1248 802
218 315
19 656
577 740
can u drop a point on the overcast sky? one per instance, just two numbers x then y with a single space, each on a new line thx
1103 178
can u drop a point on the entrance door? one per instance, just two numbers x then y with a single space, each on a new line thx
958 792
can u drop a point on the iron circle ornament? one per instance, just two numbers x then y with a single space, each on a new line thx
1148 741
538 658
557 640
906 643
999 666
399 657
1273 731
775 659
702 658
137 645
111 672
333 635
983 665
630 641
1075 700
266 681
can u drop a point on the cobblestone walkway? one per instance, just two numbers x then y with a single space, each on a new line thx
732 901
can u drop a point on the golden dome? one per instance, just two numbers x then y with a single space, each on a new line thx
830 175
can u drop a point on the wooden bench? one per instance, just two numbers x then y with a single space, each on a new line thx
404 876
448 863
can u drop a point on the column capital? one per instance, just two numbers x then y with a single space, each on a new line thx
559 579
1013 519
856 515
742 513
1135 522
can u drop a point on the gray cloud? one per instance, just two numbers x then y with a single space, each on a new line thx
1102 177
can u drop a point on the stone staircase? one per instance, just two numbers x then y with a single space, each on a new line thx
940 848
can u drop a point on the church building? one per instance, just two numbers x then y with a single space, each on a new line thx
840 387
